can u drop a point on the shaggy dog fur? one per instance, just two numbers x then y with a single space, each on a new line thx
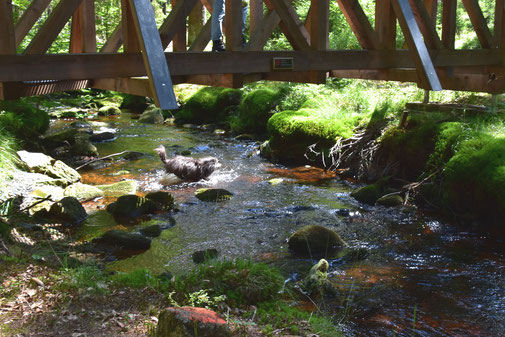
187 168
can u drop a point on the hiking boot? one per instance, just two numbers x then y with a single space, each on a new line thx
217 45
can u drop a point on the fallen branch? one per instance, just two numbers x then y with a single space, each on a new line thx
105 157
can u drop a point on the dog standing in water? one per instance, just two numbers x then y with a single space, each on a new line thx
187 168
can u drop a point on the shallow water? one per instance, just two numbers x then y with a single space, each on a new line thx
418 271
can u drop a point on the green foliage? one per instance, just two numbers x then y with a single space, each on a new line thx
139 278
448 135
279 315
241 281
199 298
23 120
8 159
84 279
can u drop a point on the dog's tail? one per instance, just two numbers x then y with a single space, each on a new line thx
162 153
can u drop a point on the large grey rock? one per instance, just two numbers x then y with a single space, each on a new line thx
82 146
83 192
109 110
124 240
67 210
191 322
315 240
41 163
152 117
59 136
391 200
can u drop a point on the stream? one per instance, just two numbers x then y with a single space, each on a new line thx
420 277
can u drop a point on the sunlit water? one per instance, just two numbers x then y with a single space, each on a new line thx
418 271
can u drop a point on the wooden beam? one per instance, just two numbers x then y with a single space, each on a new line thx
16 90
449 23
179 40
83 66
255 15
7 40
83 29
426 71
196 21
385 24
139 86
202 39
207 4
233 23
499 23
114 41
175 20
359 23
426 24
290 24
152 52
479 23
129 35
29 18
52 27
263 32
216 80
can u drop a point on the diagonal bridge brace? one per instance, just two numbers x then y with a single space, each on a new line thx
153 54
425 70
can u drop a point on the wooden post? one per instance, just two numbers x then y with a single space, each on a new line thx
29 18
385 24
83 29
7 39
359 23
319 28
291 25
196 22
233 22
129 33
114 41
479 23
449 23
153 54
179 41
255 15
499 23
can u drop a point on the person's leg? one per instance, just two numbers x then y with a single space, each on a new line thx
216 31
244 17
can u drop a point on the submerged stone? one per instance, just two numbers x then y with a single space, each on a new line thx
367 194
315 240
151 231
102 137
202 256
152 117
132 206
213 194
163 200
393 200
119 188
124 240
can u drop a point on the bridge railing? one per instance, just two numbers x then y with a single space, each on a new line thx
428 57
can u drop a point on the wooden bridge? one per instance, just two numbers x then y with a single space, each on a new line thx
427 57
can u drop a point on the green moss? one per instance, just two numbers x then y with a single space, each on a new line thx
208 105
255 110
474 178
448 135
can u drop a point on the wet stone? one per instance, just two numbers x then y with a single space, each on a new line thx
191 322
202 256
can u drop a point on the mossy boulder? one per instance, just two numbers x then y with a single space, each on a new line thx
109 110
41 163
152 117
119 188
102 137
59 137
317 281
134 103
213 194
115 100
314 240
132 206
163 200
391 200
152 231
83 192
23 120
202 256
68 210
368 194
83 147
255 110
208 105
125 240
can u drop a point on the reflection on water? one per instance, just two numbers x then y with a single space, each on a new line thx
418 271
